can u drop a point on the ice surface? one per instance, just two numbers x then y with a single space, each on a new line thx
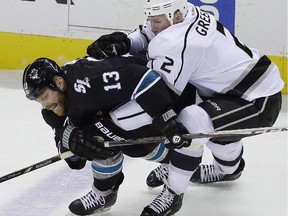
26 139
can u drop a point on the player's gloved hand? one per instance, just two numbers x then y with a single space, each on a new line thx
116 43
61 148
74 162
172 129
84 144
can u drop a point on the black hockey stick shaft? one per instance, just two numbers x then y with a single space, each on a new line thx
221 135
227 135
36 166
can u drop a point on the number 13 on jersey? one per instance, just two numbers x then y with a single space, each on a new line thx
111 77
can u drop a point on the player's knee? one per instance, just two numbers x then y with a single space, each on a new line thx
103 169
195 119
158 154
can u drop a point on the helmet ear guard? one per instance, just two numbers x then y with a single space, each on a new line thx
38 76
167 7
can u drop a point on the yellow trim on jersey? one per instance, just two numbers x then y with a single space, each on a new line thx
18 50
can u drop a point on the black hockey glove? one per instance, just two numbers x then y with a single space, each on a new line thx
74 162
84 144
172 129
113 44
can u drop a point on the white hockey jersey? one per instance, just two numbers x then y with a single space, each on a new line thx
203 52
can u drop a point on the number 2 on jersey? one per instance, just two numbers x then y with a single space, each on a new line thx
166 65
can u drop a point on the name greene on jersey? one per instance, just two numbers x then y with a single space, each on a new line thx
203 23
107 132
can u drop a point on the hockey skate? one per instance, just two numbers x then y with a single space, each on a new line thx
93 203
156 176
167 203
209 173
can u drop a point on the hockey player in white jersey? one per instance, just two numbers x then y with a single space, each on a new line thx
240 88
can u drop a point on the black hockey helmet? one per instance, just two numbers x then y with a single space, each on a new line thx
38 76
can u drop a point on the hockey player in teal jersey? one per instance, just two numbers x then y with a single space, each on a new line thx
85 100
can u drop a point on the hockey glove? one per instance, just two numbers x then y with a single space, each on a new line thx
113 44
172 129
74 162
84 144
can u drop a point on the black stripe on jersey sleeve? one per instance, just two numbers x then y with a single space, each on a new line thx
220 28
185 45
255 73
131 116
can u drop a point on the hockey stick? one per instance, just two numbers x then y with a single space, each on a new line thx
36 166
227 135
220 135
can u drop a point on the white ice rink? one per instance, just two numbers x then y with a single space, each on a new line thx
26 139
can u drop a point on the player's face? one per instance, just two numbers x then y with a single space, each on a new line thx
52 100
178 17
158 23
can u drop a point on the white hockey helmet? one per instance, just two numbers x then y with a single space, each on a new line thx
167 7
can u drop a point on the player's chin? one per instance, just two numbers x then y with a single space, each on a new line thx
59 110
